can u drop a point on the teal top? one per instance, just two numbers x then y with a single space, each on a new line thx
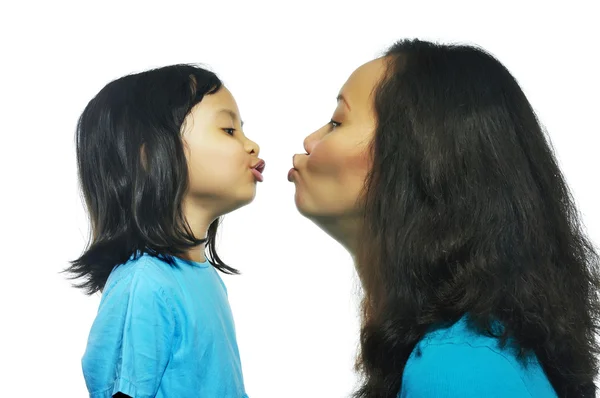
457 362
163 331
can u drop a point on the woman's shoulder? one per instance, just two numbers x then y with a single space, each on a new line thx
461 334
458 361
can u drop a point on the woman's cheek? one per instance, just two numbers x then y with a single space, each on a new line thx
322 159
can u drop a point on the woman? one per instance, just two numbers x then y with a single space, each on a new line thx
478 279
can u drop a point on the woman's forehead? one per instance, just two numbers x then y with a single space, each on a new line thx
361 83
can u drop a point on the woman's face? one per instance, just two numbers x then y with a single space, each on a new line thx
330 176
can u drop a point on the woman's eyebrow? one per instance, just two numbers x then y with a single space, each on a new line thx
341 97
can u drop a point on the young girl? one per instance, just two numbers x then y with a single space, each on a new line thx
161 156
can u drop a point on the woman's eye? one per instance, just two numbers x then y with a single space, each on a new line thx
334 124
229 131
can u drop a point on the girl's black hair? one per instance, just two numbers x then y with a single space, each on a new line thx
133 171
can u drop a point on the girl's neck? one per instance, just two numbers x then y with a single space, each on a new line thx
199 220
196 254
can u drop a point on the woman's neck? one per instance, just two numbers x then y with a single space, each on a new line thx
345 231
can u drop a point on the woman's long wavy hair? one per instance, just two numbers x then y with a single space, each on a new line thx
467 212
133 171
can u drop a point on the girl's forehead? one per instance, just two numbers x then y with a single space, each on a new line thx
220 101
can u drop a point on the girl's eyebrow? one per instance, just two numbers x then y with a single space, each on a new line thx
233 115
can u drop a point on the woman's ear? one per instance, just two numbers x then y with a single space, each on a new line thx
143 158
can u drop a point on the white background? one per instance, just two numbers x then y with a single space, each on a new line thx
295 304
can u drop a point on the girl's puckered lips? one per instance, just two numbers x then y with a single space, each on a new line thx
258 169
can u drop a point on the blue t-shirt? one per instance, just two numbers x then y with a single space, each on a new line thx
459 362
163 331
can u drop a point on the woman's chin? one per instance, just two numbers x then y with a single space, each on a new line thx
305 207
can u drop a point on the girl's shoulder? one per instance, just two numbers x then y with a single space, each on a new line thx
145 269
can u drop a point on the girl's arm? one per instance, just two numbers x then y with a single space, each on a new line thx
131 339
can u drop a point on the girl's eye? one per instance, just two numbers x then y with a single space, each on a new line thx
334 124
229 131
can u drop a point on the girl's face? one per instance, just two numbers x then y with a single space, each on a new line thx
330 177
223 163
